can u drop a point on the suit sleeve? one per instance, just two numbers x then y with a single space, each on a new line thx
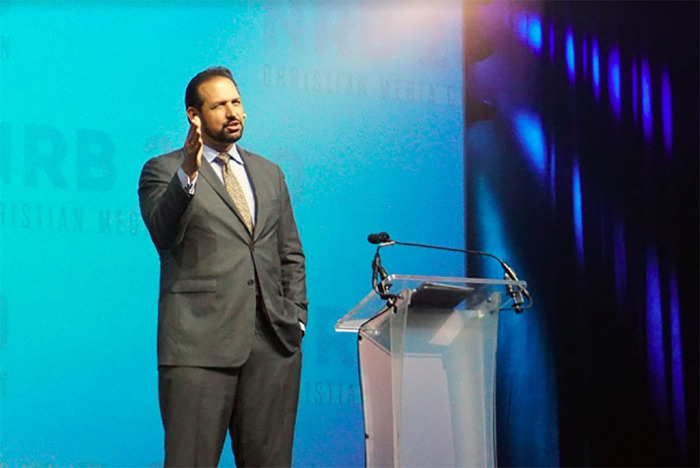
163 204
291 255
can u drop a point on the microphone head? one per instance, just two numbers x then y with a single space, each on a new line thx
378 238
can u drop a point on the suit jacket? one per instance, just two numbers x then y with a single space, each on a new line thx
209 262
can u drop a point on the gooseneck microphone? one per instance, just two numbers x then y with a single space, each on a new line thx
378 270
378 238
383 239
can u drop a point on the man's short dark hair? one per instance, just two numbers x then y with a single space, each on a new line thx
192 96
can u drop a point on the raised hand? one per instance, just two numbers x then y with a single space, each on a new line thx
193 148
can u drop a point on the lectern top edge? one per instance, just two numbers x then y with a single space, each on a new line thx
372 303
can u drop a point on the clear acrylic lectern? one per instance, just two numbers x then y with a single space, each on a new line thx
427 370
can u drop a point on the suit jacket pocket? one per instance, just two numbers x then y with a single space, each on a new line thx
194 285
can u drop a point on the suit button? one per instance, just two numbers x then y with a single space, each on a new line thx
252 247
251 282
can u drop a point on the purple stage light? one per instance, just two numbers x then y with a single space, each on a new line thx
534 32
614 81
647 122
570 55
679 425
578 210
530 133
655 335
666 112
595 67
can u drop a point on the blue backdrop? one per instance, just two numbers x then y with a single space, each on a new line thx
359 102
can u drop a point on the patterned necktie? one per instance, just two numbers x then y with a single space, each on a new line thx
233 187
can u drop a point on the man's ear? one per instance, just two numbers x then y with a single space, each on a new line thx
191 113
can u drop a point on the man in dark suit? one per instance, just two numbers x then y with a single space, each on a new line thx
232 308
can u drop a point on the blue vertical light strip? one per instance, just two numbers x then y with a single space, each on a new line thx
620 259
570 56
635 91
647 122
577 210
534 32
666 112
655 336
595 67
679 424
614 82
528 128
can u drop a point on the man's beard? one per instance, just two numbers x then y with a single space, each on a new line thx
222 136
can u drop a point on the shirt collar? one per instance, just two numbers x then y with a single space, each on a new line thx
210 154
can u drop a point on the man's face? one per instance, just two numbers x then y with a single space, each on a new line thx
221 113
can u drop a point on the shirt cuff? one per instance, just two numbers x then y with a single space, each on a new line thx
187 184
